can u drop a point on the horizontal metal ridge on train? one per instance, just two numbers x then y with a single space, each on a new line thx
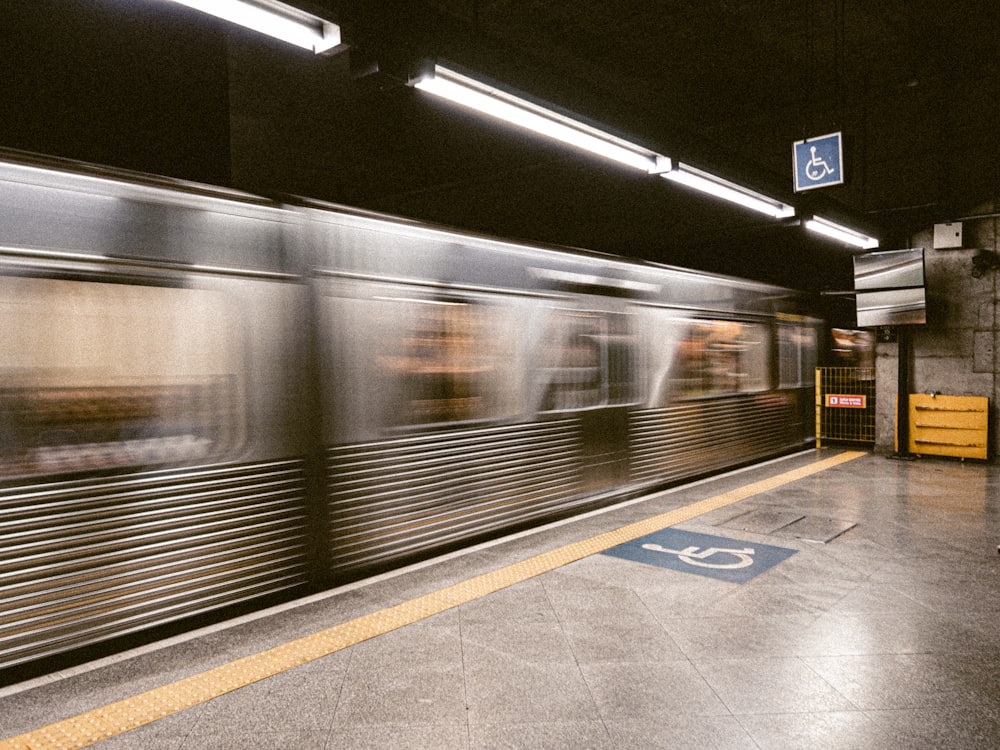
70 490
668 442
535 482
398 465
379 551
466 436
454 492
119 512
66 585
84 559
418 456
153 610
37 614
108 529
382 548
444 506
386 509
438 472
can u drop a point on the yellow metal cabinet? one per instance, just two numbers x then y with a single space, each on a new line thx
949 425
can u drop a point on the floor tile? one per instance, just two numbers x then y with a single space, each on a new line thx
966 728
772 685
651 691
884 633
780 597
738 637
411 695
896 681
828 730
486 643
515 692
171 733
525 602
681 731
254 740
436 641
558 735
621 640
447 736
257 708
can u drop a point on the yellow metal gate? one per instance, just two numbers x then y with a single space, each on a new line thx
845 404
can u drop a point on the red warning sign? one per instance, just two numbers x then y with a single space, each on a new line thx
842 401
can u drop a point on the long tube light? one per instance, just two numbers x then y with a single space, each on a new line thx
275 19
488 100
840 232
730 191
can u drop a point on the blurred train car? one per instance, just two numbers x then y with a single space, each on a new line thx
154 437
210 399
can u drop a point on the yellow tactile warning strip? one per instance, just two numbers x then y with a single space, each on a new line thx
136 711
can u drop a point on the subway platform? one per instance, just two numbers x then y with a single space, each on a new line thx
829 599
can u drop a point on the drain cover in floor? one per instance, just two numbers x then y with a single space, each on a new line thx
762 520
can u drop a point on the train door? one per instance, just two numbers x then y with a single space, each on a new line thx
586 369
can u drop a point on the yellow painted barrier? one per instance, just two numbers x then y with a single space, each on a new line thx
955 426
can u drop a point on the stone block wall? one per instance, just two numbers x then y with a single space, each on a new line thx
958 351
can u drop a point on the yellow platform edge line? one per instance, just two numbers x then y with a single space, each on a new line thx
136 711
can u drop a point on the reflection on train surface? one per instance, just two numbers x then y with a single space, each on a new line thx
210 399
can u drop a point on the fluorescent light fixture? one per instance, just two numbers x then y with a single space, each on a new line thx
840 232
483 98
274 19
730 191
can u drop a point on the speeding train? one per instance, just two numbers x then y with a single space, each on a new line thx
211 399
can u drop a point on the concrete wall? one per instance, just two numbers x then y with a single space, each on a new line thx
958 351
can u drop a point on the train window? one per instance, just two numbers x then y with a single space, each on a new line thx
853 348
797 346
446 362
587 360
718 357
100 376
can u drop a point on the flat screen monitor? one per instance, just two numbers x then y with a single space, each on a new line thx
889 288
892 307
889 269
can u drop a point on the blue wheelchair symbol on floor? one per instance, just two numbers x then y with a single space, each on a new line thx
818 162
712 556
718 558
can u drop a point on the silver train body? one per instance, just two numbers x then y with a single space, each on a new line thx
210 399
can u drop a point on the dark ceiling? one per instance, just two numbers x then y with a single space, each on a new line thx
727 85
914 86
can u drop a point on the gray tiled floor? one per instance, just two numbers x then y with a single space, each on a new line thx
884 637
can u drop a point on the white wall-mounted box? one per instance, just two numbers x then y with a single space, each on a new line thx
948 236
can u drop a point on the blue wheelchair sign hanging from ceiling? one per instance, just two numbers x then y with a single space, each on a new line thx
819 162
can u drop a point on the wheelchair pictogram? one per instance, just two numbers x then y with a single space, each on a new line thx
818 162
718 557
692 556
816 167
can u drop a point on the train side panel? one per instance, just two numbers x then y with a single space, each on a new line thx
473 386
152 459
209 399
